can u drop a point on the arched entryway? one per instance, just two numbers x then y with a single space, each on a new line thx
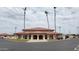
34 37
40 37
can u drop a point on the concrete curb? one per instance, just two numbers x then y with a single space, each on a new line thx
37 41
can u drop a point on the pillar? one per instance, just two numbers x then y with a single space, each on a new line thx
27 36
48 37
21 36
37 37
43 37
63 37
31 37
54 36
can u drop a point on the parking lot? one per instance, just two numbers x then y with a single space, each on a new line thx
63 45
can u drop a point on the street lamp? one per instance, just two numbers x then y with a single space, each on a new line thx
55 21
24 16
55 18
47 18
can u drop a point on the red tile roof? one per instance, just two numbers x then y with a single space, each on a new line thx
37 32
38 28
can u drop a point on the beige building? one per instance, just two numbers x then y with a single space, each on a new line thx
37 34
6 35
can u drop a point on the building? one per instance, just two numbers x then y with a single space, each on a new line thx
6 35
37 34
70 36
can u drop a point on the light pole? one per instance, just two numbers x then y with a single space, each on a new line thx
24 16
47 18
55 21
55 18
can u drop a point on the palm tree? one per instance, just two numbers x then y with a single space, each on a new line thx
47 18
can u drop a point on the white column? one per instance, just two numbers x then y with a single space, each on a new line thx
31 37
27 36
43 37
37 37
63 37
47 37
54 37
21 36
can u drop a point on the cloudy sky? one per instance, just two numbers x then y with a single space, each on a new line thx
11 17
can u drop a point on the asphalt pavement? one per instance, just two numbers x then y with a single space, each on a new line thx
63 45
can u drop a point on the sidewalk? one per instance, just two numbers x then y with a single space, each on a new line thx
37 41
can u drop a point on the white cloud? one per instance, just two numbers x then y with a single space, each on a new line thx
67 18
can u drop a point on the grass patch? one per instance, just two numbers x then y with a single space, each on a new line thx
19 40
